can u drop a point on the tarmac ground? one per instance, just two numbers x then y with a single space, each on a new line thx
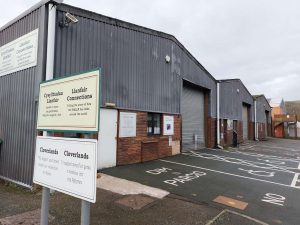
258 183
260 179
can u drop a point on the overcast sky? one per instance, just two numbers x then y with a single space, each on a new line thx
257 41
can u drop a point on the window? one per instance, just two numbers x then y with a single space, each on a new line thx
153 123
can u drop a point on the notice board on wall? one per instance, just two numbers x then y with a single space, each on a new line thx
168 125
127 124
19 54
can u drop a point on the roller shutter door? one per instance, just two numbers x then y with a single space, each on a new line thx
245 122
192 111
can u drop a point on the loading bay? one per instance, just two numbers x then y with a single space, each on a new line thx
260 180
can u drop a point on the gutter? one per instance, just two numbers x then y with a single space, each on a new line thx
255 123
218 115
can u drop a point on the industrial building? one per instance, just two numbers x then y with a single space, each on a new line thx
262 117
236 112
147 77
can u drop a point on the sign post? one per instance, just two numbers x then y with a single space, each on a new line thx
68 165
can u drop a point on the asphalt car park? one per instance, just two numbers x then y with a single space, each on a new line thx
262 186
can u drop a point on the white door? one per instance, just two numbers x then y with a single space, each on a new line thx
107 143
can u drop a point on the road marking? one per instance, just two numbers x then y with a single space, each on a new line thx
259 173
235 213
295 181
274 199
158 171
241 162
259 155
281 148
185 178
230 174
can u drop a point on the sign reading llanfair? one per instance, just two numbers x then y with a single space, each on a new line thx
19 54
70 103
68 165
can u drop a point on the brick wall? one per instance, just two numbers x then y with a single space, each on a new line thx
228 134
251 130
143 147
211 132
240 131
261 131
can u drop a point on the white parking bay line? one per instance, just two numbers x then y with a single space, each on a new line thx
295 181
230 174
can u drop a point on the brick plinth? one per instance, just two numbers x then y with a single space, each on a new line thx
144 147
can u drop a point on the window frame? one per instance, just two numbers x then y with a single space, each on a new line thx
152 122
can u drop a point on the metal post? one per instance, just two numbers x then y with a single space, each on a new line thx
45 206
49 76
85 212
85 206
196 141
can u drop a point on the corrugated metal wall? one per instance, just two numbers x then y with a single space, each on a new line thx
135 74
262 106
231 101
18 92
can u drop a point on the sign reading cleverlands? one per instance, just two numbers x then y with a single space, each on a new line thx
68 165
19 54
70 103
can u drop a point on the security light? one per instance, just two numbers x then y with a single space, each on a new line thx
167 58
72 18
67 20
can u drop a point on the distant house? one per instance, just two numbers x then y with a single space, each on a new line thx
278 108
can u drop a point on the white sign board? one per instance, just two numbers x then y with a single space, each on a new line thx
68 165
127 124
19 54
70 104
168 125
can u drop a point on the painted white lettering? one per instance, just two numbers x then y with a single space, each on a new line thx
158 171
185 178
274 199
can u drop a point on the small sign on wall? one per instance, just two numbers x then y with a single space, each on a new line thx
127 124
168 125
229 124
19 54
68 165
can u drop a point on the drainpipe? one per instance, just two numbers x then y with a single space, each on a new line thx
218 115
255 123
49 76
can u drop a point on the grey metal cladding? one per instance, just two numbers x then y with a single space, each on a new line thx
262 105
18 108
135 74
232 100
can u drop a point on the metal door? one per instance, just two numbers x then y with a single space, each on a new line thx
192 111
